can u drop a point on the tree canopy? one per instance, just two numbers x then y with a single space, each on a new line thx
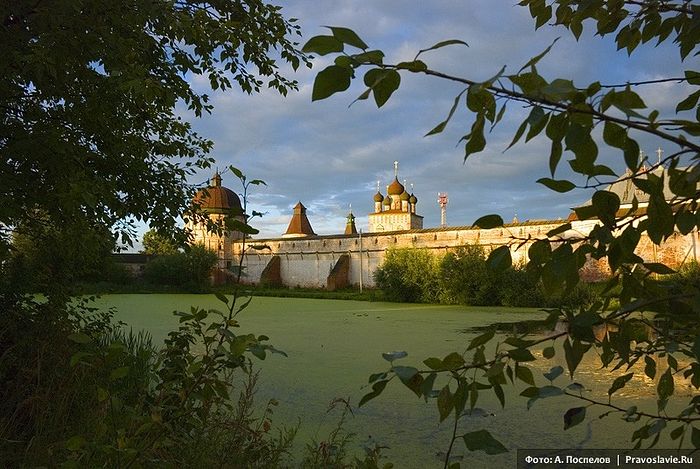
647 314
94 98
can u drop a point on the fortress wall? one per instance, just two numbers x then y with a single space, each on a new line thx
306 262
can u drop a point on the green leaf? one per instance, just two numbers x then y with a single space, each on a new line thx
521 355
445 402
548 352
433 363
119 373
322 45
574 416
102 394
414 66
619 383
377 389
78 357
75 443
557 185
405 373
665 387
482 440
689 102
441 44
693 77
606 205
453 361
371 56
554 373
650 367
558 230
518 133
499 259
489 221
482 339
475 140
524 374
391 356
348 36
695 437
221 297
79 338
537 58
331 80
574 351
383 84
614 135
441 126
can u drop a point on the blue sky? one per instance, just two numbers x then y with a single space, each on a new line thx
329 155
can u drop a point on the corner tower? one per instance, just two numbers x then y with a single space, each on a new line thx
397 211
213 206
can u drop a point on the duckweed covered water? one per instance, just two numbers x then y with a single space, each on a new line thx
334 346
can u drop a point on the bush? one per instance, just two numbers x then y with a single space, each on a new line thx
189 270
463 277
409 275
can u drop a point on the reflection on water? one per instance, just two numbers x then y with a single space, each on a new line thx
333 347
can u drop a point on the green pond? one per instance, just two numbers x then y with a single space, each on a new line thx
333 346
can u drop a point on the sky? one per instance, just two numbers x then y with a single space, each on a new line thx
329 155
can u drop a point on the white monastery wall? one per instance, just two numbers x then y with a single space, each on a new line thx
306 262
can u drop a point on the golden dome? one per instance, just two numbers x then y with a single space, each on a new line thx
396 188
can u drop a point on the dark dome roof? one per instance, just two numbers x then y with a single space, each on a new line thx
387 200
395 188
413 199
404 196
378 197
218 199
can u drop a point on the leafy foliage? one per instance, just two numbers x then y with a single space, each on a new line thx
642 315
463 276
409 275
157 244
190 269
88 95
47 258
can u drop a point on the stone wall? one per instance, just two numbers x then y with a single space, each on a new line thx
308 262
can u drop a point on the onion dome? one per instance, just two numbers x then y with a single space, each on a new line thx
404 196
378 197
218 199
413 199
396 188
387 200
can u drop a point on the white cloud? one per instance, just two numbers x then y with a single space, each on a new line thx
329 156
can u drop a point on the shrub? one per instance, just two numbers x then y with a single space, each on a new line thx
465 278
409 275
190 269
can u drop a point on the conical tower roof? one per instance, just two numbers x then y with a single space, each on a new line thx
350 225
299 224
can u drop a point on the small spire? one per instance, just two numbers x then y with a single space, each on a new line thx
659 152
377 185
216 180
396 169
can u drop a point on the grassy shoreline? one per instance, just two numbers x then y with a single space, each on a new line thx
103 288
